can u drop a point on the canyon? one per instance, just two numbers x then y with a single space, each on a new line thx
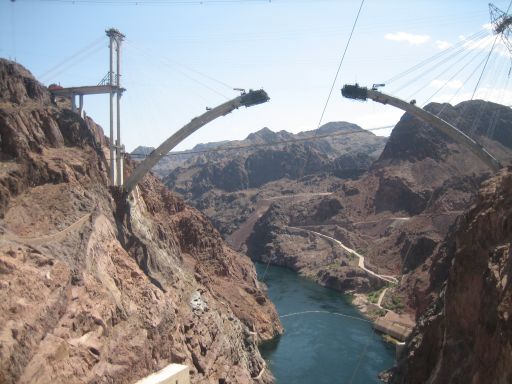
401 213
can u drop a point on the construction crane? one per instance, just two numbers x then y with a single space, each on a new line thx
362 93
245 99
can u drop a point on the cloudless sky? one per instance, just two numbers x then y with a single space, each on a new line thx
182 56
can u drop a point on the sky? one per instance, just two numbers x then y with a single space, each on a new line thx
180 57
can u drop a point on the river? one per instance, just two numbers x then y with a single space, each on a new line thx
335 346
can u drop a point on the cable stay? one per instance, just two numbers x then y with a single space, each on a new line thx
362 93
170 64
474 37
73 59
452 77
446 70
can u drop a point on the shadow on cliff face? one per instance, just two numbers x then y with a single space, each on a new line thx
464 336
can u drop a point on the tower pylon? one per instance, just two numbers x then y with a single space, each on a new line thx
114 80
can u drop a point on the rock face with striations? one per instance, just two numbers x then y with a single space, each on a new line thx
464 336
96 289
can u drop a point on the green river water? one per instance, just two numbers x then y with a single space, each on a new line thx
320 347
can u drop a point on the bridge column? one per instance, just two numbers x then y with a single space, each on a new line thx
81 105
116 158
119 93
112 143
73 102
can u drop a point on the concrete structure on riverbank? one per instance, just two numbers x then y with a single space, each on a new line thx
394 325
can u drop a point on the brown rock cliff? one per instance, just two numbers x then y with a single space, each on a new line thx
95 291
464 336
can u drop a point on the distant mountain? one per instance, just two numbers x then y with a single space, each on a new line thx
339 148
142 150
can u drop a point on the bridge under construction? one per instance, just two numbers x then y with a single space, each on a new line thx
111 84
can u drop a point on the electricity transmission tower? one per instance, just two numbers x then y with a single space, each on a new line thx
501 22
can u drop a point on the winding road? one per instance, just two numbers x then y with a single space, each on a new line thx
238 237
381 297
387 278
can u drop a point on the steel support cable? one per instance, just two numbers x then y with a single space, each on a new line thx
485 65
496 115
483 106
253 146
453 76
466 106
146 75
82 52
75 62
63 67
498 70
444 71
505 89
341 62
432 67
426 61
209 77
206 76
168 64
458 90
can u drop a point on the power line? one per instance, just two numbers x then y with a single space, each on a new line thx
165 2
253 146
341 62
325 312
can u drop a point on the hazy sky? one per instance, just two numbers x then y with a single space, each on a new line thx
182 56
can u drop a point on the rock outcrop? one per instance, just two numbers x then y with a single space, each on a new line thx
464 336
97 289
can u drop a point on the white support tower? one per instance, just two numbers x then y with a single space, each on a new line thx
110 84
114 80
